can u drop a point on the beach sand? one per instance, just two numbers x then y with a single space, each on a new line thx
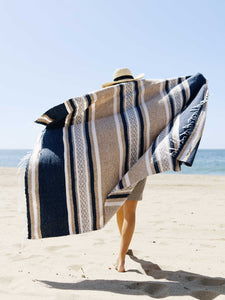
178 247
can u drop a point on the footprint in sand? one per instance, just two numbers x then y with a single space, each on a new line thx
99 242
75 267
19 258
56 248
207 246
6 280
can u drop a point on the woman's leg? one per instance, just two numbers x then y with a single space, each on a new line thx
119 218
126 224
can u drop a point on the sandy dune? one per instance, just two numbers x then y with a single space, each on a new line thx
178 250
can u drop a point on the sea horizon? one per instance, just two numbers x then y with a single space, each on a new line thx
207 161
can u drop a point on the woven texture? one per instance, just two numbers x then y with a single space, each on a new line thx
96 148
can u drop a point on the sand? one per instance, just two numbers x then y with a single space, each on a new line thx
178 247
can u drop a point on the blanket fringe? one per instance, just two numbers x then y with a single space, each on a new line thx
187 127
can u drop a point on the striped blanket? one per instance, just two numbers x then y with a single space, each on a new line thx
97 147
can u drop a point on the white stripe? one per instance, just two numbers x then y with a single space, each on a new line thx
177 99
187 90
147 158
127 180
165 101
118 131
98 164
118 203
146 115
65 138
175 132
34 165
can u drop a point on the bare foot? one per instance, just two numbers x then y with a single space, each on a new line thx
120 265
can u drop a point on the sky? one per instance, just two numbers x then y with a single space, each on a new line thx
51 51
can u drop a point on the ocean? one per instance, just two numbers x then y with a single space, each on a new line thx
207 162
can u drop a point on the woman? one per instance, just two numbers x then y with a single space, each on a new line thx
126 213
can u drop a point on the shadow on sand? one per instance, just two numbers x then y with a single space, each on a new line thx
182 283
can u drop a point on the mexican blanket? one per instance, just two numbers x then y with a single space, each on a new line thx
94 150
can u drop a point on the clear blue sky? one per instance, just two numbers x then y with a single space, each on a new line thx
54 50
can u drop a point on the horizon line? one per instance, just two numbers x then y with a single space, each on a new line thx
32 148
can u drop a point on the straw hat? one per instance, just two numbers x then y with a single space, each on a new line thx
122 75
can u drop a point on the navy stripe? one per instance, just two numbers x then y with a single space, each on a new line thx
191 156
183 96
172 146
171 123
141 150
154 158
195 83
91 168
124 127
27 200
52 187
73 187
179 80
118 196
121 184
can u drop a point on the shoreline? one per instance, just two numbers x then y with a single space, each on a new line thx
164 173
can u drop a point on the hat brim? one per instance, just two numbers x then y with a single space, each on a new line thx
140 76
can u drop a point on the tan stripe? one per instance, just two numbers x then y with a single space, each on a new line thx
43 121
109 181
37 196
68 105
139 171
103 106
34 189
45 118
31 208
167 104
157 112
37 188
